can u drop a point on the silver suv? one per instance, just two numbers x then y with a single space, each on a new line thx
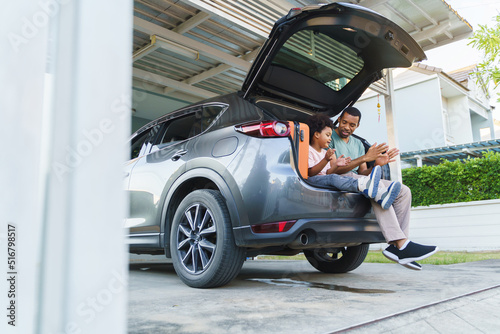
216 182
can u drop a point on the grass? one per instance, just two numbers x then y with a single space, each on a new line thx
440 258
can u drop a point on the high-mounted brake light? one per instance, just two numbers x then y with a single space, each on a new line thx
275 227
294 12
265 129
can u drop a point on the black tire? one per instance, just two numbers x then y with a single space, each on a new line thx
337 260
202 244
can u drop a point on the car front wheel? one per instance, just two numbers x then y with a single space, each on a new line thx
337 260
202 244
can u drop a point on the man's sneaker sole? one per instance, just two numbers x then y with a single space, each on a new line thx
375 176
390 196
412 265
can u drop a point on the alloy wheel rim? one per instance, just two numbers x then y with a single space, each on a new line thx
329 256
196 239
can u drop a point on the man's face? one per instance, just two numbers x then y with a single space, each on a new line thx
347 124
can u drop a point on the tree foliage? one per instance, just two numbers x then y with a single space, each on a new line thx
487 40
455 181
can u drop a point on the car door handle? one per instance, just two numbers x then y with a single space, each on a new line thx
177 155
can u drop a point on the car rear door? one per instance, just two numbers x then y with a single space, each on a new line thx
323 57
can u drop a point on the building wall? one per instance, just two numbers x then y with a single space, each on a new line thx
459 120
418 116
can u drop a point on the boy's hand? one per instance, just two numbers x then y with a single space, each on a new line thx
330 153
341 161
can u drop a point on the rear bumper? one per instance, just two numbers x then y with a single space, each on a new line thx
315 233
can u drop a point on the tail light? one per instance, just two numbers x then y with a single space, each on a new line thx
275 227
265 129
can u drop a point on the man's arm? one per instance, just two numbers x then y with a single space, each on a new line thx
384 159
375 151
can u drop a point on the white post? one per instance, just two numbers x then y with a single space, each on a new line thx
67 99
391 126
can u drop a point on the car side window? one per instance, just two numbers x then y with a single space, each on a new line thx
209 115
190 125
204 118
178 129
142 143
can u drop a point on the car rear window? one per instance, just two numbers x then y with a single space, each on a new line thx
319 56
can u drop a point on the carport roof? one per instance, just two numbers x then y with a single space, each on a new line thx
190 50
451 153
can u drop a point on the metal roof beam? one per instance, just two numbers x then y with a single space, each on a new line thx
192 22
403 17
233 17
430 33
164 81
208 51
144 51
149 87
423 12
213 71
372 3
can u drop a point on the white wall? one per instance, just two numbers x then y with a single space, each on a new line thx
418 114
469 226
459 118
65 79
465 227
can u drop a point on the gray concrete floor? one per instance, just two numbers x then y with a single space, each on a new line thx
292 297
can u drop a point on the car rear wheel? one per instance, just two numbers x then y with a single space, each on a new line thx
202 244
337 260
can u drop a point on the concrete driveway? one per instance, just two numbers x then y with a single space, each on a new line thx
292 297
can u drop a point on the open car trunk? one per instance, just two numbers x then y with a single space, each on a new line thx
323 57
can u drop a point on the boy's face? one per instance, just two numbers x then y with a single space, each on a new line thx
324 137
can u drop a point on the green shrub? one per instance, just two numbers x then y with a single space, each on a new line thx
455 181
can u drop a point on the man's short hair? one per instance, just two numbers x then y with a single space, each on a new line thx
353 112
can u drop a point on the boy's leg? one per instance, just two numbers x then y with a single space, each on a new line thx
337 181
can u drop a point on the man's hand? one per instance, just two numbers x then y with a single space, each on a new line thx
375 151
387 157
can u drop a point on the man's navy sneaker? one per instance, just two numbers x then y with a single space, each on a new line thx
412 252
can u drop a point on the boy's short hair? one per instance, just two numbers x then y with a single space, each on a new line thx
317 123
